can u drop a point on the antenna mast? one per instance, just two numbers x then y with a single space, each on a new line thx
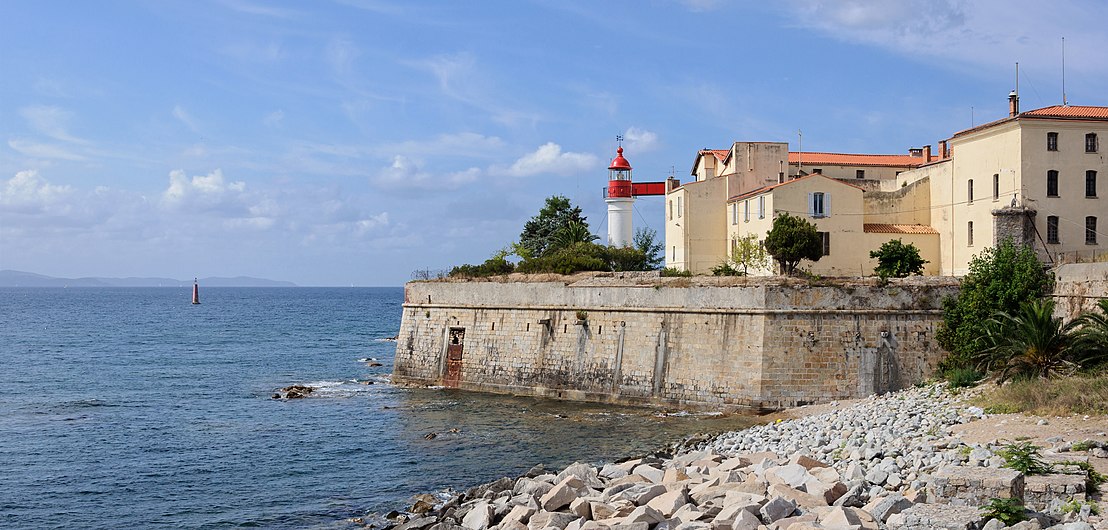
1017 79
799 152
1065 103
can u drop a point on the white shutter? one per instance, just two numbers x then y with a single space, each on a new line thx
827 205
811 204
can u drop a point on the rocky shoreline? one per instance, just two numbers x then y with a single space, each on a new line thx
888 461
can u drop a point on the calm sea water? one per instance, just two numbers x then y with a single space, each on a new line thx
132 408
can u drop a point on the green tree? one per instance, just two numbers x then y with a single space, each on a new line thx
1028 343
792 239
1000 279
574 232
897 260
540 233
645 241
749 253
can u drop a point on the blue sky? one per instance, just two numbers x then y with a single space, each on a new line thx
354 141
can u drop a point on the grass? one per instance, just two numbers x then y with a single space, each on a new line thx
1079 394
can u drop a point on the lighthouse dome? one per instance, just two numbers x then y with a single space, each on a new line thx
619 162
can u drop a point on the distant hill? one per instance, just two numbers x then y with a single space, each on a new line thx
10 278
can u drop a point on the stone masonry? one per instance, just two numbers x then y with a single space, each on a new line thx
757 345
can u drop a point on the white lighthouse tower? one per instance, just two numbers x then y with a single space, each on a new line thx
620 200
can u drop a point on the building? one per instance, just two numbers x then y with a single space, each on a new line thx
1031 176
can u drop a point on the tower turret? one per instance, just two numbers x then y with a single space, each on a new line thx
620 201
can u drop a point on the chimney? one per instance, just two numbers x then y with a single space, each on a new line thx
817 171
927 153
942 148
915 152
1013 104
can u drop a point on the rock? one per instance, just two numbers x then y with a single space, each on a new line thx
993 524
649 472
417 523
777 508
881 509
673 475
688 513
745 520
669 502
584 472
580 508
848 517
794 475
641 494
613 471
561 494
801 498
644 514
423 504
807 462
519 514
530 486
479 516
550 519
601 510
297 391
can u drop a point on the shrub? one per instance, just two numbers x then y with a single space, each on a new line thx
494 266
627 259
897 260
999 279
574 258
1008 511
1030 343
674 272
725 269
1024 457
962 377
1091 337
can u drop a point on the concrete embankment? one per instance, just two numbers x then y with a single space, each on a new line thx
886 461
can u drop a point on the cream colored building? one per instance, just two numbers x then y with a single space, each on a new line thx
1035 176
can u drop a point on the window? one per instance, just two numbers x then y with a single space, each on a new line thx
1090 230
673 254
762 207
1052 183
1052 229
996 186
819 204
969 234
1051 141
746 210
671 209
680 208
825 243
1090 143
1090 183
969 190
734 213
861 174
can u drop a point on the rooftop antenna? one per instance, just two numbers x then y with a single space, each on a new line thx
1065 103
619 140
1017 79
971 123
799 152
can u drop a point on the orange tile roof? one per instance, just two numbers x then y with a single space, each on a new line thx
849 159
879 228
764 189
1073 111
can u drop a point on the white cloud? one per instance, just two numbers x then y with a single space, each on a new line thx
549 158
992 34
28 192
39 150
466 144
201 190
640 140
184 117
275 118
408 174
341 54
50 121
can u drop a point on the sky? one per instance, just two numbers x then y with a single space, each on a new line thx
352 142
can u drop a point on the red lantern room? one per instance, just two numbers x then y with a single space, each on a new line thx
619 176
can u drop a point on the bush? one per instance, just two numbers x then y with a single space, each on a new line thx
1024 457
725 269
897 260
1008 511
1030 343
622 259
962 377
494 266
586 256
669 272
1000 279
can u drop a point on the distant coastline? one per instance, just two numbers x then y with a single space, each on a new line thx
11 278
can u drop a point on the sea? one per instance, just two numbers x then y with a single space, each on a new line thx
133 408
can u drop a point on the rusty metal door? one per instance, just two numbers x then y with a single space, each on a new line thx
454 358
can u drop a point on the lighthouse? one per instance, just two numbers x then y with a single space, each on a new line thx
620 200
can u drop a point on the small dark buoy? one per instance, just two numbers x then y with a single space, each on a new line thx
430 436
195 292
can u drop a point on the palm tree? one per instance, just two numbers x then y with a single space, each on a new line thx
1091 338
1032 342
573 232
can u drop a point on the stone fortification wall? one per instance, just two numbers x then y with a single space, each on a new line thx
1078 287
752 345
